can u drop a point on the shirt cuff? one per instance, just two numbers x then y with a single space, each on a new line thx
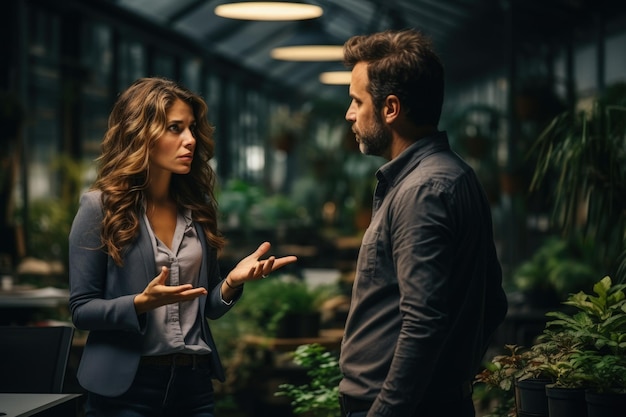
228 303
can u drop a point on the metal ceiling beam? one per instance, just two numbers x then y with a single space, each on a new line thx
184 11
270 39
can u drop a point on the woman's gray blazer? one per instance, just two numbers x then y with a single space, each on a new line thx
101 300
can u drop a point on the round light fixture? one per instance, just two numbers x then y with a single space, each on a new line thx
257 10
308 53
336 77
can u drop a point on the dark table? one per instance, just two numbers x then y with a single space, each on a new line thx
24 405
19 305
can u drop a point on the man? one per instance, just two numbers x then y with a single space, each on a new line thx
428 289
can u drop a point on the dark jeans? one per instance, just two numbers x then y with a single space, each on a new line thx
160 391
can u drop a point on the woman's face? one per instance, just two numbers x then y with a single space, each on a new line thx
173 152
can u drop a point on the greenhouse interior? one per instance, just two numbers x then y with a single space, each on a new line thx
534 102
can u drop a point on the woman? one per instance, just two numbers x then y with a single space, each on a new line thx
143 260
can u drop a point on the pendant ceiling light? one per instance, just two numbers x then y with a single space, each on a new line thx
271 11
336 77
309 43
308 53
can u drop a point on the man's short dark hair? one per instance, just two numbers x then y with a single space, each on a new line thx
402 63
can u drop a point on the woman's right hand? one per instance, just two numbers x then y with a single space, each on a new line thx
158 294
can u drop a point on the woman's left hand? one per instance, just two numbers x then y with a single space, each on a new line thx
251 268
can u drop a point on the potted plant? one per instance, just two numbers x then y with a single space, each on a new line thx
498 378
606 391
565 394
524 377
582 351
597 361
598 320
546 367
517 380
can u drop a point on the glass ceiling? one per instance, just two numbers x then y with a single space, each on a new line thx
470 35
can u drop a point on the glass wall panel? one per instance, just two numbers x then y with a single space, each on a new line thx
42 138
586 70
132 62
97 58
191 76
164 65
616 59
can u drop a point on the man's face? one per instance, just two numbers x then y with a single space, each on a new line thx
372 134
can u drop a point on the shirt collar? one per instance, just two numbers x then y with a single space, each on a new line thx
408 159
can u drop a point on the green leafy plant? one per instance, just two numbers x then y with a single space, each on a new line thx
557 268
50 219
496 381
246 207
235 199
318 398
582 347
598 328
551 358
600 320
582 155
602 373
519 363
267 302
502 370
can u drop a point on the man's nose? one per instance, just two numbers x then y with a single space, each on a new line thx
350 114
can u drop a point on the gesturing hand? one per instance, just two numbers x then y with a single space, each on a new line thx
251 268
157 294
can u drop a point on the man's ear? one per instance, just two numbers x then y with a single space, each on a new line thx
391 108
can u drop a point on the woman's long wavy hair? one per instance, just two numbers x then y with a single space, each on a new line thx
138 119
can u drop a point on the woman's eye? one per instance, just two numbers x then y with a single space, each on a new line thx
174 128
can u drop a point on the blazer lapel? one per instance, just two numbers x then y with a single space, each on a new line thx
146 251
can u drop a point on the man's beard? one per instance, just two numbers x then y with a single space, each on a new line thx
376 140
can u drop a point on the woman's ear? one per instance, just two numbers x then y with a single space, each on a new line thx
391 108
